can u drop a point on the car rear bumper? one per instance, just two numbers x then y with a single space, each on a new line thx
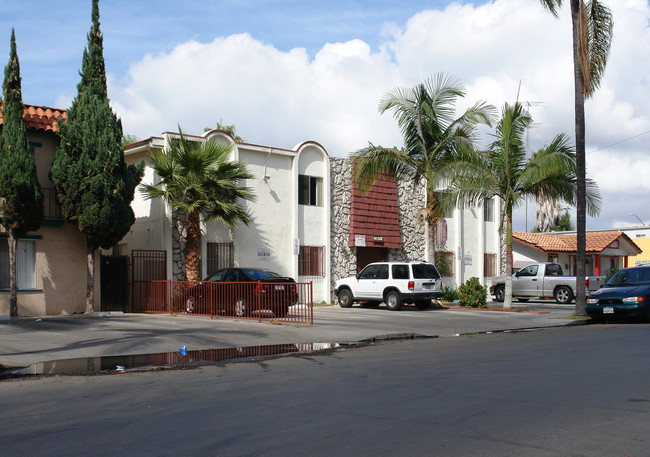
410 297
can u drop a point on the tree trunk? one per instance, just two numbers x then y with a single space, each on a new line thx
192 257
13 286
581 205
90 278
507 299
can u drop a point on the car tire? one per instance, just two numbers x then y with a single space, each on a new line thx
423 304
393 300
345 298
563 295
499 293
189 305
371 304
241 308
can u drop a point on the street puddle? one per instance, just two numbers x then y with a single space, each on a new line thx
181 359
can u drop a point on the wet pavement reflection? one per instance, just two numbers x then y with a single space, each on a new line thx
181 359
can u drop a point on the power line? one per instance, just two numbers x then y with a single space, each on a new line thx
619 142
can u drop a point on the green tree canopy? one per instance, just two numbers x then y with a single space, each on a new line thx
432 134
504 171
230 129
94 186
198 180
22 206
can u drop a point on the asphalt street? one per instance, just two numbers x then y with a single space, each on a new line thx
571 391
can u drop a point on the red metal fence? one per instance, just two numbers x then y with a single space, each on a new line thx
287 302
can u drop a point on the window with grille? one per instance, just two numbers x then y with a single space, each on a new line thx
489 265
311 261
220 255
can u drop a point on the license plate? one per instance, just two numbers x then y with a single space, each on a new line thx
428 285
608 310
279 287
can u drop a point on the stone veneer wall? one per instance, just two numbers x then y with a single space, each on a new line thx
343 258
411 199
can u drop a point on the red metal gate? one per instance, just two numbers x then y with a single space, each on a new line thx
146 266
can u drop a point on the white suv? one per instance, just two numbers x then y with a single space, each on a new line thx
392 283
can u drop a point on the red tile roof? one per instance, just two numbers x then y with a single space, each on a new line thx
547 242
375 215
40 117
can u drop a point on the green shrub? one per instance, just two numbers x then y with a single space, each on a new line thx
450 293
443 264
473 294
610 272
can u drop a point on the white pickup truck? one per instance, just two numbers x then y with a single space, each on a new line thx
543 280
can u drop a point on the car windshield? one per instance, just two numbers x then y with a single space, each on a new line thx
630 277
215 276
254 275
425 271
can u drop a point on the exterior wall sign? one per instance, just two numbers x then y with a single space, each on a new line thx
467 259
263 254
378 238
360 240
296 246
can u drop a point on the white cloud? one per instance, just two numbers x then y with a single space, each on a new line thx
283 98
273 97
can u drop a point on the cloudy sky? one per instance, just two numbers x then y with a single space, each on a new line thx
287 71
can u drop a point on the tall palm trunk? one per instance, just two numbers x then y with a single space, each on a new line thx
579 102
507 299
192 257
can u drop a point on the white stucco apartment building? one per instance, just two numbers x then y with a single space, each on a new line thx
290 229
307 221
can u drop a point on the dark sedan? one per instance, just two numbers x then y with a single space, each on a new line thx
240 292
626 294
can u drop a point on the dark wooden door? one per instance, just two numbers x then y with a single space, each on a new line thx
369 255
114 280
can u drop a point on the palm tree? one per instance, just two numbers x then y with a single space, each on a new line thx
593 29
504 171
426 116
199 180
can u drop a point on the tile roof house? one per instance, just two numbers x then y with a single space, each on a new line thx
40 118
604 250
51 260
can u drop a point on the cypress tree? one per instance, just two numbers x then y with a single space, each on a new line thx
93 184
22 209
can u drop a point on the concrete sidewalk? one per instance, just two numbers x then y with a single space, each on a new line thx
24 341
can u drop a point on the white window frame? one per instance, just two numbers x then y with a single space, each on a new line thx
310 190
25 264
